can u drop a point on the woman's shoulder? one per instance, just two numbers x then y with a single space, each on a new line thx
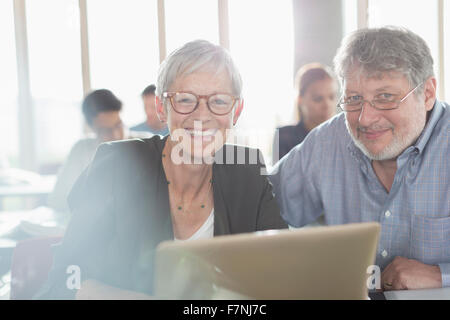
127 157
137 146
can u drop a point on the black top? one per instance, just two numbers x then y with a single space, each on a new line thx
121 212
289 137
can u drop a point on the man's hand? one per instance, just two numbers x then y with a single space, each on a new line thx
403 273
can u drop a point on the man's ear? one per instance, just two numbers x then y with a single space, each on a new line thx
429 93
237 111
298 108
299 100
160 109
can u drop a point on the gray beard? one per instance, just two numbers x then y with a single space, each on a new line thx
396 146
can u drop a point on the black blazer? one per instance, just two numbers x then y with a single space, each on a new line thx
289 137
120 213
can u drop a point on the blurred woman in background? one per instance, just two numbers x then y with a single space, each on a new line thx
316 88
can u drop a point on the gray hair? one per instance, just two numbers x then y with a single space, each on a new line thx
386 49
195 56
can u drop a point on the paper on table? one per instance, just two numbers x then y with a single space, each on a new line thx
14 176
36 229
42 221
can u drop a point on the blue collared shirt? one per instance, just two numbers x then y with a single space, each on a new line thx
327 174
146 128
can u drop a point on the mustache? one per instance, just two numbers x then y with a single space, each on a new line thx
373 128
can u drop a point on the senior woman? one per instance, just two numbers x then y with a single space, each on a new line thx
137 193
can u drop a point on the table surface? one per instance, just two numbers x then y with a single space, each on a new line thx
41 221
42 186
423 294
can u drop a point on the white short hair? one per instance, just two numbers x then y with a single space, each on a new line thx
195 56
379 50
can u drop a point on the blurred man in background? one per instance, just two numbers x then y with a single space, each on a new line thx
101 110
152 124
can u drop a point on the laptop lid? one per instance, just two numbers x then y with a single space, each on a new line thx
313 263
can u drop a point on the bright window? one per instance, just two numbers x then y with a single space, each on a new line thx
419 16
190 20
261 42
123 49
350 16
8 86
447 49
55 76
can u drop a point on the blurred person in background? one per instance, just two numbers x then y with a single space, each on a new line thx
101 110
152 124
316 88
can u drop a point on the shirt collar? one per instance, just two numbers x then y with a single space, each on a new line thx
358 155
436 113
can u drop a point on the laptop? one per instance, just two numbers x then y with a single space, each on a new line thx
327 262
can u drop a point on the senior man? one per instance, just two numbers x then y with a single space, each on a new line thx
385 158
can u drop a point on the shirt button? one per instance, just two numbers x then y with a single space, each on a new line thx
384 253
387 214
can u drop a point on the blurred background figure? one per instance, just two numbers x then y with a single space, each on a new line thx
101 110
152 124
316 101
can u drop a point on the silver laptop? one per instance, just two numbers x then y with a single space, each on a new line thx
314 263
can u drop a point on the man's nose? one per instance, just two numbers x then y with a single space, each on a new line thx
368 114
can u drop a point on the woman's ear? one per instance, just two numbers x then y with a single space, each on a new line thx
237 111
160 109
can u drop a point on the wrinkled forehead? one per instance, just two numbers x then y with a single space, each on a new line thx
359 75
215 71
